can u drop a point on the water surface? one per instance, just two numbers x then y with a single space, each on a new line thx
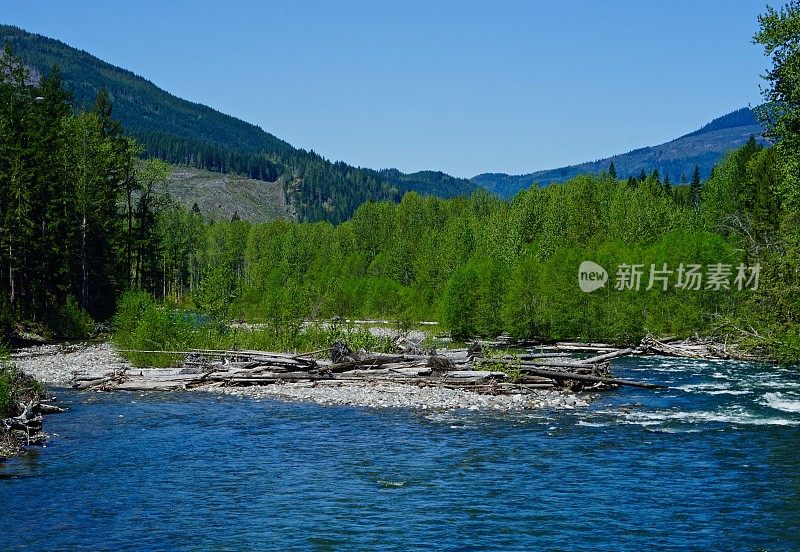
712 463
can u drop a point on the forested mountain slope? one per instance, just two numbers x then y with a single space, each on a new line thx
182 132
676 159
191 134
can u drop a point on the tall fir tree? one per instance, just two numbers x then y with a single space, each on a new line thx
695 186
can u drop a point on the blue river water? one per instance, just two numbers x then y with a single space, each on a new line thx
712 463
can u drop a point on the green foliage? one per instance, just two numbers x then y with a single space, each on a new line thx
481 266
61 181
15 387
141 324
73 322
6 394
149 333
778 34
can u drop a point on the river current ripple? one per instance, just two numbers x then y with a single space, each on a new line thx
712 463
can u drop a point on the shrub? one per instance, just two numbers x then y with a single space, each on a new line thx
15 387
72 322
6 395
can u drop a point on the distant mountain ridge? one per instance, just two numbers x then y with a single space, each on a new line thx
677 158
183 132
191 134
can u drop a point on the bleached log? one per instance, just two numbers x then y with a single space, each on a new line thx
474 374
607 356
575 365
45 408
588 377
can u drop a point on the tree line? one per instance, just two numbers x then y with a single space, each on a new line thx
77 207
483 266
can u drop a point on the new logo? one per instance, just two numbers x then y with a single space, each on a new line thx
591 276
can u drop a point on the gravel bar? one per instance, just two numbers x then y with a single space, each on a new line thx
57 364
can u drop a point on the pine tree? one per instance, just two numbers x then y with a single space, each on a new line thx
60 232
696 176
612 170
656 176
695 186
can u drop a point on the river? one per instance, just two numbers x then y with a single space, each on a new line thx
712 463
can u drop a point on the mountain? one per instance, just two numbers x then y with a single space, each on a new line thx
703 147
187 133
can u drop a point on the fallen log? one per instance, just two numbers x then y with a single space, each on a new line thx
91 383
45 408
461 368
473 374
688 350
590 378
545 364
369 361
533 355
607 356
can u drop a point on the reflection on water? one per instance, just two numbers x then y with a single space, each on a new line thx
711 463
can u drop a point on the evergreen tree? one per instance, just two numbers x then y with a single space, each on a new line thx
695 186
60 177
656 176
612 170
147 270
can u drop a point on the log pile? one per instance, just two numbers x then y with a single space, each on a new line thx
695 347
452 368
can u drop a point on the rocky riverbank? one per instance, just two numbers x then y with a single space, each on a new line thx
58 364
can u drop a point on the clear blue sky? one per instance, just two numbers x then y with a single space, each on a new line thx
465 87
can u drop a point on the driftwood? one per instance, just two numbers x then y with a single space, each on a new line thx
589 378
607 356
696 347
451 368
30 420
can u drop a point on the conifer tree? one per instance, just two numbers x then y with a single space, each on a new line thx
695 186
